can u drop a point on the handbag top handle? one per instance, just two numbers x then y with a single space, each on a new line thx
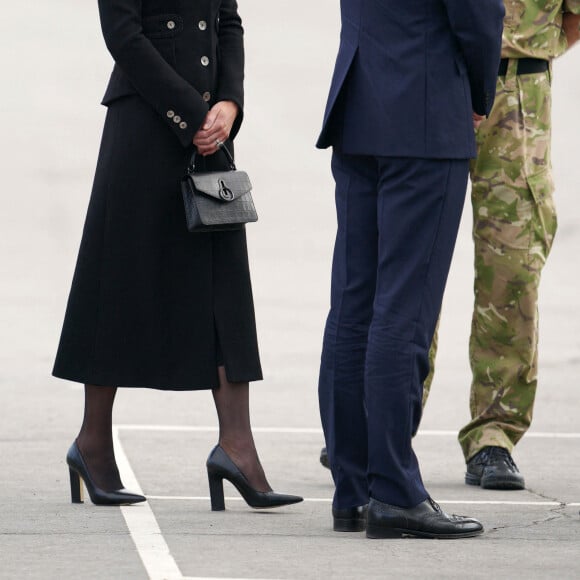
223 148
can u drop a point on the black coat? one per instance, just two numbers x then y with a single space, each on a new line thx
152 305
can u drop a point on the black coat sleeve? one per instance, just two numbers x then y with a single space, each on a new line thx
477 26
153 78
231 59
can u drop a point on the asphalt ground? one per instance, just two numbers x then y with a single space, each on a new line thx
55 68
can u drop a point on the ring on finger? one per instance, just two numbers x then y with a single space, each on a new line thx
219 143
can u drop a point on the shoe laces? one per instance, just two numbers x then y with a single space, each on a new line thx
435 505
437 508
501 454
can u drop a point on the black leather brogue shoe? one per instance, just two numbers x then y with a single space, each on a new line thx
494 468
427 520
350 519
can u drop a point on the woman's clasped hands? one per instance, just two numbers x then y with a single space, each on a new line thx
216 127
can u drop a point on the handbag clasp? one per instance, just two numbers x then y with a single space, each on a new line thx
225 192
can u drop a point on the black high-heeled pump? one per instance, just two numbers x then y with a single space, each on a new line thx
78 470
220 467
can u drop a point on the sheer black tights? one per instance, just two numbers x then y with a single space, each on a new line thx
232 403
95 439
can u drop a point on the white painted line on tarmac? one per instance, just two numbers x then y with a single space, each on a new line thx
529 434
499 502
207 499
329 500
317 431
143 527
215 429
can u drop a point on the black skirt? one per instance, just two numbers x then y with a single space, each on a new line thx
152 305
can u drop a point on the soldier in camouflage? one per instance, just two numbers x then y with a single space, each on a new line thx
514 223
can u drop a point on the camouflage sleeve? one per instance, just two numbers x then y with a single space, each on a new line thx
572 6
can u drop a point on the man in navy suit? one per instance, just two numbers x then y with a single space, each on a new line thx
410 77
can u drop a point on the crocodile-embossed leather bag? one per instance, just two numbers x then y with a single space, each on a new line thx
217 200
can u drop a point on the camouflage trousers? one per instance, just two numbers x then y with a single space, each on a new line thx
514 223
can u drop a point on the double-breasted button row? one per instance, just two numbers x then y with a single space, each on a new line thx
176 119
202 24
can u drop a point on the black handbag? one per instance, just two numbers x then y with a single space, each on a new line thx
217 200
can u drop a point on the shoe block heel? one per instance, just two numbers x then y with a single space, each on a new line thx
216 493
220 467
382 533
76 487
348 525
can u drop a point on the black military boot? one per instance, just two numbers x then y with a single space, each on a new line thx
494 468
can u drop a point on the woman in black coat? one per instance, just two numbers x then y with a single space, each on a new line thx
151 304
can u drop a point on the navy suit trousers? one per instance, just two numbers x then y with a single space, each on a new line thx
397 225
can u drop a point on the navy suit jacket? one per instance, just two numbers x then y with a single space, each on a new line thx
409 74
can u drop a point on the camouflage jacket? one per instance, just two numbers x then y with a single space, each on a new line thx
533 28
